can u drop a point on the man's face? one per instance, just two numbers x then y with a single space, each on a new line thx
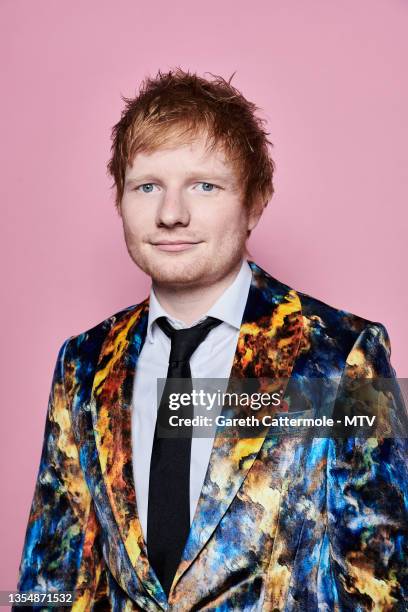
183 215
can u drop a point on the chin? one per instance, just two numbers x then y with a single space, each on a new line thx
177 273
173 269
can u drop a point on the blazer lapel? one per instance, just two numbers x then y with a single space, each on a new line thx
111 408
268 343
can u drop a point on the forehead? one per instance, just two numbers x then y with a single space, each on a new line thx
194 155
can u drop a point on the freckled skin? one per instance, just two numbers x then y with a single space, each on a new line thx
282 523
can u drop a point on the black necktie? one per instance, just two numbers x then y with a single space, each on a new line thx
168 518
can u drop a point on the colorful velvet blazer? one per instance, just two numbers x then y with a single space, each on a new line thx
282 523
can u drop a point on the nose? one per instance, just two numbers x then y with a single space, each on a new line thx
172 209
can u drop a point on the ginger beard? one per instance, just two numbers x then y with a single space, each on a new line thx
197 266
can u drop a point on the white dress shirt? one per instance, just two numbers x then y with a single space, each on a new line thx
213 358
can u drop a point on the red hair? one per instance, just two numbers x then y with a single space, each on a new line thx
174 107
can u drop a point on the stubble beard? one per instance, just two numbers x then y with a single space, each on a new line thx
177 271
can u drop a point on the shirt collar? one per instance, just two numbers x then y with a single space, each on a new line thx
228 308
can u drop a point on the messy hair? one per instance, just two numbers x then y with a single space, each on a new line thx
174 108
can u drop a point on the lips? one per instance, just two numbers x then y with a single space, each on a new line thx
172 245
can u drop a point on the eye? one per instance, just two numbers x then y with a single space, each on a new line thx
208 187
145 188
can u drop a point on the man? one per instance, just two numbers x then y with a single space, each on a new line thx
129 518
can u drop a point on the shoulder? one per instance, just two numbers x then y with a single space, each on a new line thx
88 343
327 328
320 315
355 335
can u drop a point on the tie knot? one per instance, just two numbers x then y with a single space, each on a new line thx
185 341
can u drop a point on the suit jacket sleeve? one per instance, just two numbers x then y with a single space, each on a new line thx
367 487
61 551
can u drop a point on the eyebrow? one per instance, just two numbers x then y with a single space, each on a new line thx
191 176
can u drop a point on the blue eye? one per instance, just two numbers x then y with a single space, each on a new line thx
148 185
208 186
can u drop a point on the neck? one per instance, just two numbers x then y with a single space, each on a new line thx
191 303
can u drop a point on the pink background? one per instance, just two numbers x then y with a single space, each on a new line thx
331 78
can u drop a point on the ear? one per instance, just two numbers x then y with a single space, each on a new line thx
254 215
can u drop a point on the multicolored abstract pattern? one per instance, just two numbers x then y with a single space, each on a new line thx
283 523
